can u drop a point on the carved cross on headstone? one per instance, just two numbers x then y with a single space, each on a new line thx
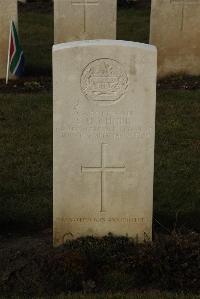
85 3
103 169
184 3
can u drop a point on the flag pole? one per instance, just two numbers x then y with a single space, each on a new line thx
8 59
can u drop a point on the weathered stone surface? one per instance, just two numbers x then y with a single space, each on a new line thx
84 19
175 30
104 123
8 12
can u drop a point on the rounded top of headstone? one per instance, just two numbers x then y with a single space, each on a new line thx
104 42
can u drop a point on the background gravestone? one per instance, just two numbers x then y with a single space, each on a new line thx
104 118
175 30
8 12
84 19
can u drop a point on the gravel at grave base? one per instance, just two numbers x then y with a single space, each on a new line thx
44 84
28 85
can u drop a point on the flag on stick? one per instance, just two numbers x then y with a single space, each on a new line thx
15 63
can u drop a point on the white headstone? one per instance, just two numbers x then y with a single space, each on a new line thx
104 123
175 30
84 19
8 13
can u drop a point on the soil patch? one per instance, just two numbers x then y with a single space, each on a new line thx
28 85
180 82
44 83
30 265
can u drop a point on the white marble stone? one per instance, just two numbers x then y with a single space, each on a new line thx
104 124
8 13
84 19
175 31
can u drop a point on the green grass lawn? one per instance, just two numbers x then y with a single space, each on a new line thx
133 25
26 136
36 31
177 185
26 160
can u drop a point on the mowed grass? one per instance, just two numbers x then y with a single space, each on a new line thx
26 137
26 160
36 32
176 180
133 24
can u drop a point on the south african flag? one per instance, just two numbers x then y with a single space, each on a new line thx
16 54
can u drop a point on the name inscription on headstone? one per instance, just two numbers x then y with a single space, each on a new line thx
99 125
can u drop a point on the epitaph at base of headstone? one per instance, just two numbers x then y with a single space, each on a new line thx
175 31
84 20
8 13
104 124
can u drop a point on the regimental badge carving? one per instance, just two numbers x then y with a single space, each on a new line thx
104 80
